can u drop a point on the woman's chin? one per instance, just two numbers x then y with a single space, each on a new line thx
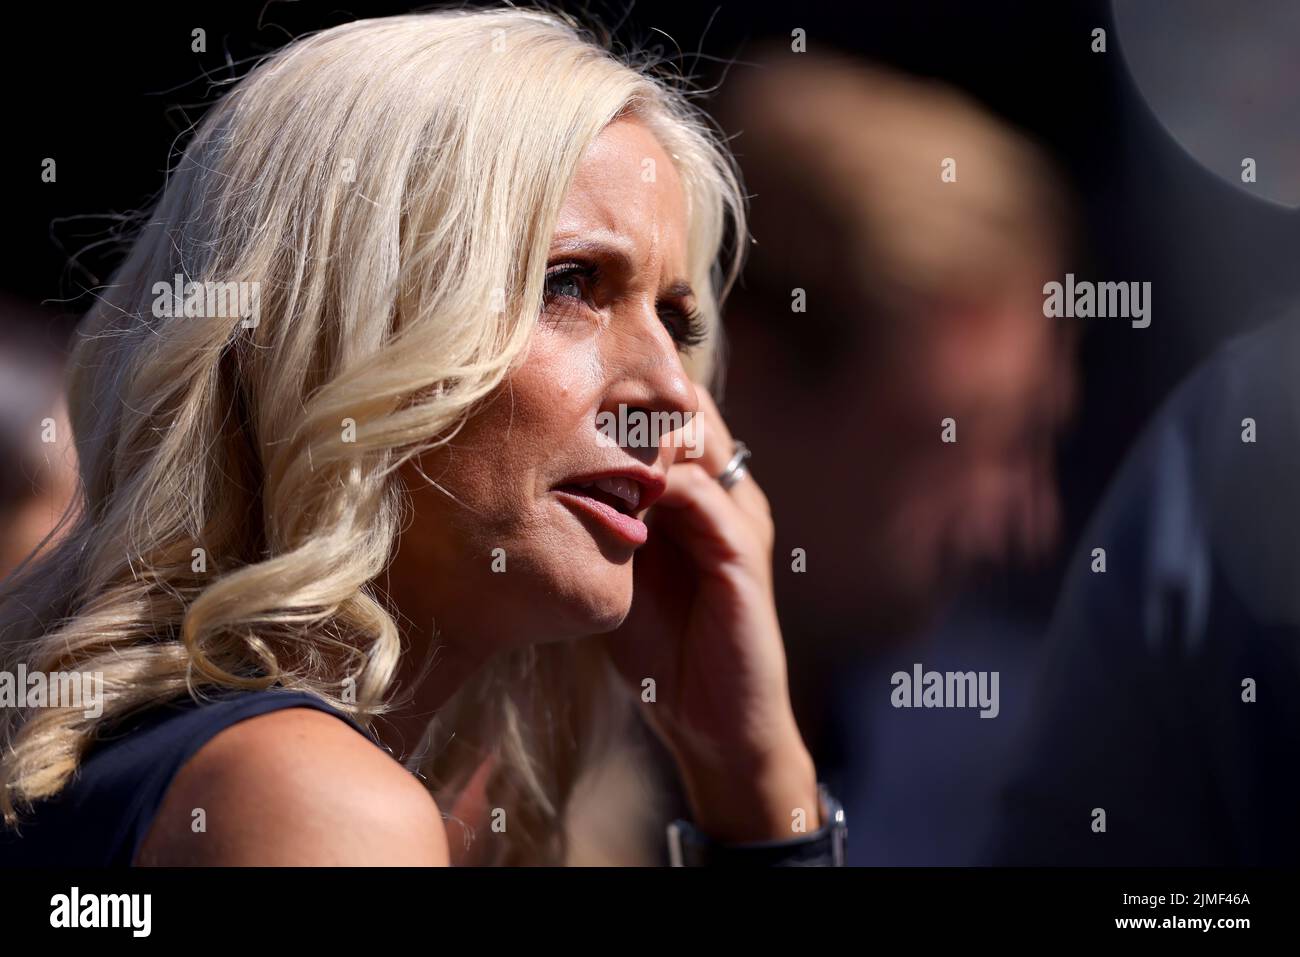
599 602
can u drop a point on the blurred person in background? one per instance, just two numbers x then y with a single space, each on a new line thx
39 477
902 238
923 303
1165 729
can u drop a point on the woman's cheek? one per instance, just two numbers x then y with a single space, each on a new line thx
560 381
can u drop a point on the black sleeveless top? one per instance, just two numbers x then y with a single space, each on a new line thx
102 816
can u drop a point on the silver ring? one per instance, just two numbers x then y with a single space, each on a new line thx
736 469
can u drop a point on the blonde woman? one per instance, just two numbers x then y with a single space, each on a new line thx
362 522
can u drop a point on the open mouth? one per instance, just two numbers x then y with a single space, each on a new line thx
614 501
618 492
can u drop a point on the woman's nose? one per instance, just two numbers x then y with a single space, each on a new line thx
650 389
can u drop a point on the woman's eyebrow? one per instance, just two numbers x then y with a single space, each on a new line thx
610 248
620 254
680 289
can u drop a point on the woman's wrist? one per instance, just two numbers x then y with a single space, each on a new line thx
767 797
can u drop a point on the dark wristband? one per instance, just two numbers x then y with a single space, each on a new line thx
825 847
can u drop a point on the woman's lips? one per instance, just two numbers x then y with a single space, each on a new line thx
630 529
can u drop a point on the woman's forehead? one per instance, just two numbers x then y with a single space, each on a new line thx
627 185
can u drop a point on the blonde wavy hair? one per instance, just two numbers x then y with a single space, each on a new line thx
384 183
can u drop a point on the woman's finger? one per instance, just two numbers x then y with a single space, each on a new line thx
718 447
713 444
706 518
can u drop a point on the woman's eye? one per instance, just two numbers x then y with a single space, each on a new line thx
567 282
687 328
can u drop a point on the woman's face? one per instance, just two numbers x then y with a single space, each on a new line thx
530 531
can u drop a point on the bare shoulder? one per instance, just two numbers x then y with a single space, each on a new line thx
294 787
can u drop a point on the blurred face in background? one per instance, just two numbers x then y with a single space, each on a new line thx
923 304
940 509
40 485
892 518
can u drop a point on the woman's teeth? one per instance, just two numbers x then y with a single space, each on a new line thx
624 489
